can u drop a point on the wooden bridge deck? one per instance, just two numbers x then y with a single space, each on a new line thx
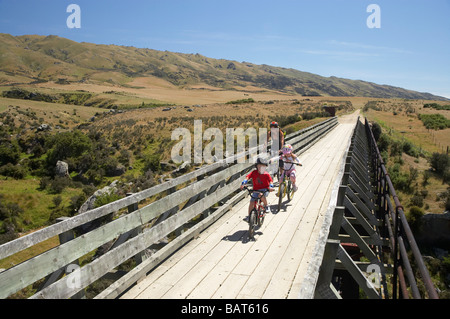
222 263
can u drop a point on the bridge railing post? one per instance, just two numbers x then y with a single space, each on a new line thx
64 237
141 256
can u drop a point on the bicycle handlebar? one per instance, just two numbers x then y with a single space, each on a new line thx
298 164
251 190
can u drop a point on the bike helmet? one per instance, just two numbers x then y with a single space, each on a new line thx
274 124
261 161
288 149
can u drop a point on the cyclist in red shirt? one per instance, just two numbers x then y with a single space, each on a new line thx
262 181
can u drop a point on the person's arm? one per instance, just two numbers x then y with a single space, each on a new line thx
271 186
247 178
296 159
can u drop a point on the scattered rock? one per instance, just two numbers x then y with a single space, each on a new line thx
62 169
90 203
44 127
231 66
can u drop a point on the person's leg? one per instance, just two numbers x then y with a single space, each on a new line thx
264 200
293 180
251 206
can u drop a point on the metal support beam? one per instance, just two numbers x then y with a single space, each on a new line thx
357 274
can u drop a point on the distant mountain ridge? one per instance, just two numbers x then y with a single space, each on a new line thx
52 58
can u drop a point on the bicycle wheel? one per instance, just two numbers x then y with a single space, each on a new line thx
282 192
290 191
252 224
261 215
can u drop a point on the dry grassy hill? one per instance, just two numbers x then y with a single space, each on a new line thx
154 74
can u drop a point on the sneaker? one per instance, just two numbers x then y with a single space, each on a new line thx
295 188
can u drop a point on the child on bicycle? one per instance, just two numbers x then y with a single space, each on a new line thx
262 181
288 157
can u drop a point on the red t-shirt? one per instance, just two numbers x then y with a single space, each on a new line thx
260 181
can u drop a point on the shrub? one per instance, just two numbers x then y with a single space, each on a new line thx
312 115
57 201
58 184
106 199
153 163
67 145
95 176
76 202
376 130
44 182
440 162
14 171
437 106
401 181
434 121
409 149
243 101
426 177
109 164
396 148
414 218
447 202
9 153
417 200
9 215
446 176
383 142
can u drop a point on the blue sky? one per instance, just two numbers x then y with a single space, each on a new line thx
325 37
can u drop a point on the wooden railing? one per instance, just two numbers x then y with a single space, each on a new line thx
132 226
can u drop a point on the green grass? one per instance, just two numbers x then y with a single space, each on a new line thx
37 205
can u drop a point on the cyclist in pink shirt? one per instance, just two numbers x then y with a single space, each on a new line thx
288 158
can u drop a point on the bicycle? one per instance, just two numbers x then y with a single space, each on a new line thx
286 186
256 218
